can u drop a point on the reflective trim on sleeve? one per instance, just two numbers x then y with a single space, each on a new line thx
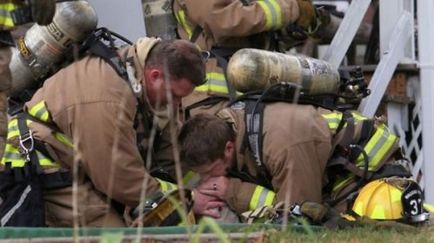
216 82
341 183
167 187
273 14
180 17
378 146
46 162
40 111
333 119
63 139
5 14
191 179
261 197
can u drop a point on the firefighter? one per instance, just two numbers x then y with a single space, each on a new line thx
295 157
98 115
12 14
299 153
222 27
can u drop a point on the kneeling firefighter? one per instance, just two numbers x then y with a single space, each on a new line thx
364 149
25 172
12 14
114 95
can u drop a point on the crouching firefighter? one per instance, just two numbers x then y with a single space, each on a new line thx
96 115
276 150
22 182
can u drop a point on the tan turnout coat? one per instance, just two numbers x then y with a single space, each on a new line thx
296 146
90 103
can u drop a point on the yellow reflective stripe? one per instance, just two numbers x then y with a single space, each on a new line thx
378 146
273 14
63 139
40 111
45 161
166 186
358 117
333 119
341 183
180 17
189 176
5 15
216 82
13 130
261 197
13 156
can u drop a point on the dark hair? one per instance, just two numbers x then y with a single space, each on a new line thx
203 138
183 60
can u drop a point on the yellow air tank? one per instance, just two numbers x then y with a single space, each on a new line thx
254 69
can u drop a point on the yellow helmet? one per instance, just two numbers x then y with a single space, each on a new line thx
391 198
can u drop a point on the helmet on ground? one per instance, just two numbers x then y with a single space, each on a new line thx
391 198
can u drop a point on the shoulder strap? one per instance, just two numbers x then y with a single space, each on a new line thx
254 116
222 55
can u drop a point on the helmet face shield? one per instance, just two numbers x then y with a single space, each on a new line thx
391 199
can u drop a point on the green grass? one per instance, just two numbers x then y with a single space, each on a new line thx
362 234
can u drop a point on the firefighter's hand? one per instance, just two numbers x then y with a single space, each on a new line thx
214 186
43 11
311 21
205 205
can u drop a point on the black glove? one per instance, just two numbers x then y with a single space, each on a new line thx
43 11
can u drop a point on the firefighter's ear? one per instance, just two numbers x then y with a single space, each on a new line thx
153 76
229 149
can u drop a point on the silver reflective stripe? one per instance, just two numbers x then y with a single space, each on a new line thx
379 144
273 13
262 198
41 112
4 13
13 156
11 212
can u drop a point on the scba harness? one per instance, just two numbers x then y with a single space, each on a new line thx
364 149
29 167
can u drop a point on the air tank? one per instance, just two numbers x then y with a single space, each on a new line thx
159 19
42 47
254 69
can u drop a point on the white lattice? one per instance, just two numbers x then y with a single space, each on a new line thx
411 142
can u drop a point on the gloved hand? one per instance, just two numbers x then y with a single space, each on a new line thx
311 19
307 18
324 215
43 11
